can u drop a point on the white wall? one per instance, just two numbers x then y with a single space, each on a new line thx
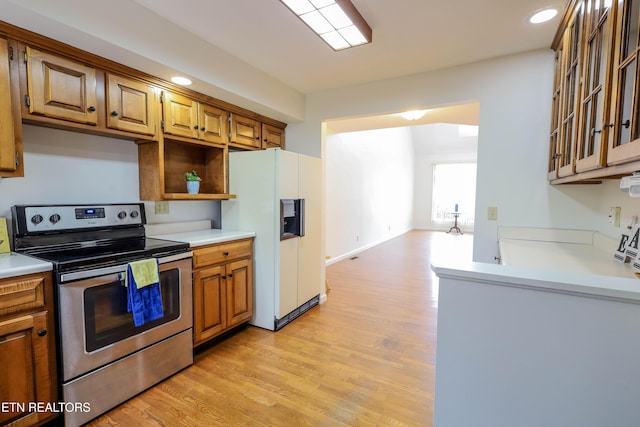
70 167
369 189
514 93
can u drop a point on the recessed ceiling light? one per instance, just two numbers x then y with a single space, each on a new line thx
182 81
413 114
543 16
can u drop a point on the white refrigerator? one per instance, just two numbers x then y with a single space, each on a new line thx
287 273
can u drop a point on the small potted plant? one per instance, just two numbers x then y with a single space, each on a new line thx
193 182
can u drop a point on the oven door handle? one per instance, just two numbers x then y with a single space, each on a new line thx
120 268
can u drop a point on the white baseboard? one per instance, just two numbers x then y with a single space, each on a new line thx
364 248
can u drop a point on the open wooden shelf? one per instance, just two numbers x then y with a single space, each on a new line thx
162 166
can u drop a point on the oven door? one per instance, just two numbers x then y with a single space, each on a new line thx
95 327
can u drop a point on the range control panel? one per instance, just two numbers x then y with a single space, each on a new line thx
66 217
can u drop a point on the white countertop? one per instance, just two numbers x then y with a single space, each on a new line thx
13 264
206 237
568 257
564 282
563 261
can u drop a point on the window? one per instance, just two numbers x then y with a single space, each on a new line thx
454 185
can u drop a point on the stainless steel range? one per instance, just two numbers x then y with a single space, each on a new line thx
104 357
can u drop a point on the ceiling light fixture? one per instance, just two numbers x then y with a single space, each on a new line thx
182 81
413 114
543 16
338 22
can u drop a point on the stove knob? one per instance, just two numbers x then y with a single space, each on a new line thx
54 218
36 219
122 214
134 214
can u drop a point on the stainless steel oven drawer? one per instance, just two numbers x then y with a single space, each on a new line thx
112 384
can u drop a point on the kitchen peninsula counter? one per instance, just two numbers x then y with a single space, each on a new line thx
550 338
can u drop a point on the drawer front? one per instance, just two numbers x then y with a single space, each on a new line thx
20 295
221 253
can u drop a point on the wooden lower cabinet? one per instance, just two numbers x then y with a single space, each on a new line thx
222 288
27 350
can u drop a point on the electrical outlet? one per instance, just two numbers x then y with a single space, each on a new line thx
162 208
614 216
492 213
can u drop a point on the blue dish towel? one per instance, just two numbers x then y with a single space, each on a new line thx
145 303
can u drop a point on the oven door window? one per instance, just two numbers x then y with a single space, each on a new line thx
107 320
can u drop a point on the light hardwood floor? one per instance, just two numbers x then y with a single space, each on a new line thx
366 357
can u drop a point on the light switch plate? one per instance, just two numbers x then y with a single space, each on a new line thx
492 213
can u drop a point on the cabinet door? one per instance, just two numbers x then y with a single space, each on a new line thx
591 151
245 132
554 138
24 377
131 105
209 303
61 88
272 137
570 94
239 292
180 115
213 124
7 130
624 141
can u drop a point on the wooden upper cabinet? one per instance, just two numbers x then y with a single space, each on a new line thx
596 82
186 117
245 132
272 137
569 103
60 88
624 139
180 115
131 105
10 141
554 137
212 124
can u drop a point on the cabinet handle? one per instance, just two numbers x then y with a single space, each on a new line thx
225 253
556 156
92 108
257 137
230 274
626 124
202 129
604 127
42 332
224 277
196 127
114 113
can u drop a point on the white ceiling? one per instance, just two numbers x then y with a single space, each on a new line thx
409 36
249 51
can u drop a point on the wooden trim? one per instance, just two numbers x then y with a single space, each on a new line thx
84 57
566 17
611 172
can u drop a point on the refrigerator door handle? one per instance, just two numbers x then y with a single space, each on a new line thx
301 216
